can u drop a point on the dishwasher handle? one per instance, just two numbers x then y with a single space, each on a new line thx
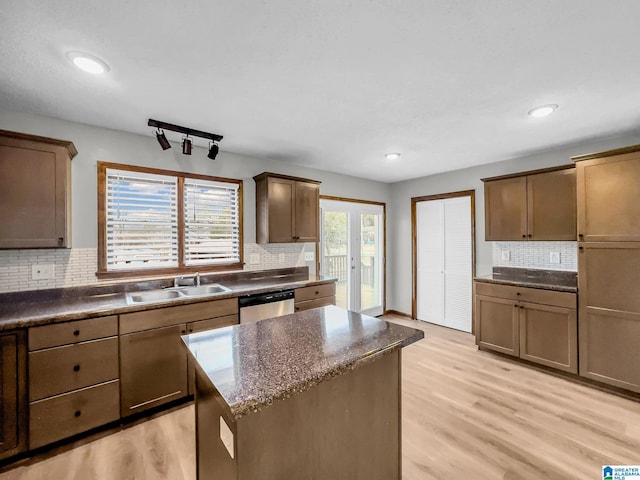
262 298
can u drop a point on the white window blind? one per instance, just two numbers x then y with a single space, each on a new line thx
211 222
141 220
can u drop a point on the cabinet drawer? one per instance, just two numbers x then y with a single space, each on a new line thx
165 317
72 332
75 412
202 325
315 303
532 295
317 291
62 369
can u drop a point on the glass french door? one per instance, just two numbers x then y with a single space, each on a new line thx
352 250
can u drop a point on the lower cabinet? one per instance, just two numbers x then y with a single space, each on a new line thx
13 400
73 378
498 324
154 368
153 361
313 297
535 325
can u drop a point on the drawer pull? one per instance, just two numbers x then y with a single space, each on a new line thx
183 332
517 293
317 292
77 413
76 332
76 368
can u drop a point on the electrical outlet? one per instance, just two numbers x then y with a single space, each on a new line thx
254 259
42 272
281 258
505 255
309 256
554 257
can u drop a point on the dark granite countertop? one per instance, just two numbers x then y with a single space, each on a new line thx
40 307
254 364
557 280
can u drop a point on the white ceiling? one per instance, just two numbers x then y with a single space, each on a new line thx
336 84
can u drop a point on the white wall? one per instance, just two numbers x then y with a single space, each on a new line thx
399 263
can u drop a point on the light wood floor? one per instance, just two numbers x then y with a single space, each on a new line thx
466 415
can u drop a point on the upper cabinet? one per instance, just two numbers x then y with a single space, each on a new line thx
536 205
287 209
35 191
609 196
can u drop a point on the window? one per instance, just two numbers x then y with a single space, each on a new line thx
156 221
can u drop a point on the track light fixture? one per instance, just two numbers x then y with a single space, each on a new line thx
213 151
187 143
162 140
186 146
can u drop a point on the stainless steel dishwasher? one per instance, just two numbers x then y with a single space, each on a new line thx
265 305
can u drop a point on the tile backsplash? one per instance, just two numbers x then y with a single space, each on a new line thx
536 255
77 266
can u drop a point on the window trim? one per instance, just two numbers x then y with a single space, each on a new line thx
181 268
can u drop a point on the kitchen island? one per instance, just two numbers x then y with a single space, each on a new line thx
311 395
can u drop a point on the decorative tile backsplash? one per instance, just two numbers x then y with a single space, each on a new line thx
536 255
77 266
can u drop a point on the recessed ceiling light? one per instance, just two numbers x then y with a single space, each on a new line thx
543 110
88 63
392 156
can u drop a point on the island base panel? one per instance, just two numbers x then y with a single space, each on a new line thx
345 427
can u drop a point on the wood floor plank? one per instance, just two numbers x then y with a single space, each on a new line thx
467 414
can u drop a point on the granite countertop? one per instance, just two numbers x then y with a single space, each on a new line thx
254 364
40 307
557 280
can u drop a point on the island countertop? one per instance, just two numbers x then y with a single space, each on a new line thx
252 365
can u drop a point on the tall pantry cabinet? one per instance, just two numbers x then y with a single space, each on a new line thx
608 190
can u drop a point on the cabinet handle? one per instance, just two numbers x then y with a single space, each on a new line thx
515 306
580 248
581 235
183 332
517 293
191 330
521 306
76 368
530 235
60 240
77 413
76 332
317 293
524 236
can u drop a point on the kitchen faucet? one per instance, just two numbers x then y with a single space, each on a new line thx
182 281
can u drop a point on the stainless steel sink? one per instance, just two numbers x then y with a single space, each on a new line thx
153 296
203 290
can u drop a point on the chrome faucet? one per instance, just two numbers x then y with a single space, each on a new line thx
182 281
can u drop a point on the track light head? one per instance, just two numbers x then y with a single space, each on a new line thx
213 151
186 146
162 140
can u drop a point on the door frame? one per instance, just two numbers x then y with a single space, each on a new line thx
384 240
414 244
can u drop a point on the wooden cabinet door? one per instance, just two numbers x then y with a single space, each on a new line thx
551 205
505 209
497 324
608 191
34 194
13 401
153 368
549 336
281 213
307 200
609 313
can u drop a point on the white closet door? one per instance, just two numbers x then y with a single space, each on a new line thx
430 261
457 263
444 256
